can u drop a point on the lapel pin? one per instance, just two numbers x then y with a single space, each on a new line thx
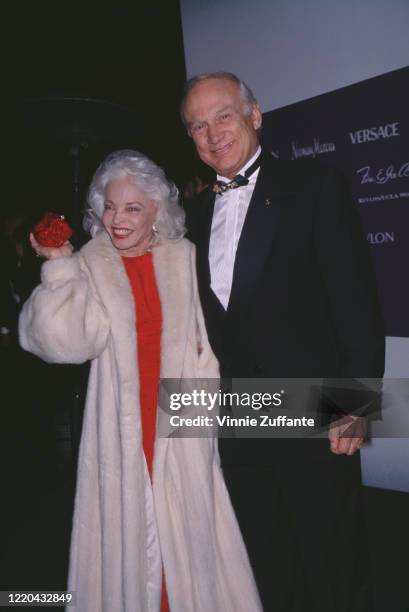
267 202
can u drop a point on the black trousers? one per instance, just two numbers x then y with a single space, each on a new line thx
303 524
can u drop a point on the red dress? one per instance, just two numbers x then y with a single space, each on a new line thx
148 330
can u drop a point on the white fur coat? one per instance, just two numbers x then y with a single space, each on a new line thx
124 528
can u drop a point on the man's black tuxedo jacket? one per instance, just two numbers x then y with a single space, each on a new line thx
303 301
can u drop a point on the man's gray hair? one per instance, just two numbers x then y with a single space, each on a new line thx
150 179
245 92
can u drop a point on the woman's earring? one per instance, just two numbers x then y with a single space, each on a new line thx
155 231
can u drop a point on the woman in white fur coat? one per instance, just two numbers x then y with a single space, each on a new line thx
128 528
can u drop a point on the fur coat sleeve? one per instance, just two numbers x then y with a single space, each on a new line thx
64 321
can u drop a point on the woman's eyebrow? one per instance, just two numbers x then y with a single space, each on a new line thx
126 203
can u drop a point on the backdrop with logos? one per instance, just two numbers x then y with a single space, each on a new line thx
362 129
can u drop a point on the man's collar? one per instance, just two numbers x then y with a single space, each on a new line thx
244 168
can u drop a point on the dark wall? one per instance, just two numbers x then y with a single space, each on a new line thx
126 52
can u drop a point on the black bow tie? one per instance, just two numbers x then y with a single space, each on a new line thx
221 187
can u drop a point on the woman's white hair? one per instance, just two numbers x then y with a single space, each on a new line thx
150 179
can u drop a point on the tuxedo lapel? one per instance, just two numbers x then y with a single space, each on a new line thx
203 232
258 233
213 310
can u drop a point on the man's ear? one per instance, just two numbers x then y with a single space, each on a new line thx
256 116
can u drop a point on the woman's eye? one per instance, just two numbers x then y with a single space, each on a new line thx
133 209
107 207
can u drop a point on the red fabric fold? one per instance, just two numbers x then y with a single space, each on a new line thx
148 330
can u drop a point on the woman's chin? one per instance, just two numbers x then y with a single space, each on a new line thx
122 243
127 248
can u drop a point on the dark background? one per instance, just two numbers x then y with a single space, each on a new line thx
128 53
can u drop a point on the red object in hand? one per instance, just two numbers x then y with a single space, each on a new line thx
52 230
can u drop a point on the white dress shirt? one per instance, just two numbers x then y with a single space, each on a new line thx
229 214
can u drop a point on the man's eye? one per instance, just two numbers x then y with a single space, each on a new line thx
107 207
197 127
225 116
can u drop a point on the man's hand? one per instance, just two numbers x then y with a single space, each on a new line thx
347 434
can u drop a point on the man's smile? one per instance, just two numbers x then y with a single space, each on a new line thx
224 149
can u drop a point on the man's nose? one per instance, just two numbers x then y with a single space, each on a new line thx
214 134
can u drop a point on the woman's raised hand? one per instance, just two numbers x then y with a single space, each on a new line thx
51 252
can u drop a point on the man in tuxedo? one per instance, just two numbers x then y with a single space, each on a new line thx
288 290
